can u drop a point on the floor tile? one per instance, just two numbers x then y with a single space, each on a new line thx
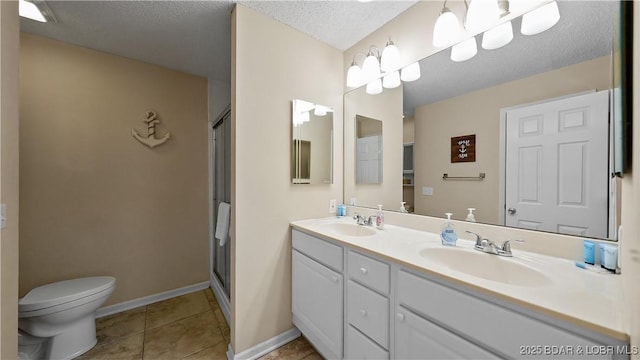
314 356
296 350
177 308
119 325
217 352
122 348
183 337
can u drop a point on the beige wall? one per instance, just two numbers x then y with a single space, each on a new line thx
386 107
436 123
94 201
270 66
630 243
9 50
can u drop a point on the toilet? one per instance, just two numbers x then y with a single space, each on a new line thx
57 321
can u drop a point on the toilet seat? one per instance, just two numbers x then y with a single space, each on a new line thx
61 295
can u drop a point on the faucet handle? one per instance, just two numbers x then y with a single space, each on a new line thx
506 246
478 237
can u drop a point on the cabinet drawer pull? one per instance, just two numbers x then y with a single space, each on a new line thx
400 316
363 271
363 312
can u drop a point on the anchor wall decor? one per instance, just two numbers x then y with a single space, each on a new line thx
151 140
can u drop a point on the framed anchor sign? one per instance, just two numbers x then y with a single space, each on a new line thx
151 141
463 148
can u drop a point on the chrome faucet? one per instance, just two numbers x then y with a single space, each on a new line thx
488 246
363 220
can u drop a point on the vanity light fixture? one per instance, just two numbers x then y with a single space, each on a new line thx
36 10
374 87
380 72
465 50
482 15
410 72
390 59
371 65
540 19
447 30
391 80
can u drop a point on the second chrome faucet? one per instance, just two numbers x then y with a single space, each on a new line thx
488 246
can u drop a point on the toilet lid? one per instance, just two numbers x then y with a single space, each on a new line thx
64 291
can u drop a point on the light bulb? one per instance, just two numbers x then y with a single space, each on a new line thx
464 50
390 59
410 72
447 29
497 37
374 87
391 80
540 19
481 15
370 68
354 76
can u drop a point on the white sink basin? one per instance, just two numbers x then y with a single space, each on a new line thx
487 266
352 229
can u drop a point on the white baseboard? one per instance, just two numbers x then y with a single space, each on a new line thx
223 301
264 347
132 304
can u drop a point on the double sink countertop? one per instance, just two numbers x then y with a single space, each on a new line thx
550 285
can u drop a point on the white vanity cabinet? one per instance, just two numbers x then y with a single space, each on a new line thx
318 293
384 310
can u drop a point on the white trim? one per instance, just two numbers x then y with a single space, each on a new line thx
223 301
264 347
132 304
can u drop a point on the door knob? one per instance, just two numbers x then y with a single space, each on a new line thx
511 211
400 316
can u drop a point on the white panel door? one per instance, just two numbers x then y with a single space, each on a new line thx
557 166
369 160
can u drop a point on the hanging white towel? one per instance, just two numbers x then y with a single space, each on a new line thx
222 224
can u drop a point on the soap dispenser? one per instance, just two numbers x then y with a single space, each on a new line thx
402 208
380 218
470 216
448 233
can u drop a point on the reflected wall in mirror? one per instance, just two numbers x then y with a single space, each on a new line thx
368 150
474 97
386 109
312 143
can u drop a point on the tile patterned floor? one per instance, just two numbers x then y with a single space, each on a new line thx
186 327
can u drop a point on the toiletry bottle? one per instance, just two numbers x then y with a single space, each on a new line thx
402 208
380 218
589 252
448 233
470 216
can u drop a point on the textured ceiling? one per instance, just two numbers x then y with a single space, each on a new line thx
195 36
584 32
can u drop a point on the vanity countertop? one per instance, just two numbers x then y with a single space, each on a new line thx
585 298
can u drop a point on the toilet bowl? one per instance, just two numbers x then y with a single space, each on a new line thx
57 321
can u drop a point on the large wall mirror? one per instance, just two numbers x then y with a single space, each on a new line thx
536 113
311 143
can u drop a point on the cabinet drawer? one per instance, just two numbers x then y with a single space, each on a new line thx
323 251
477 319
368 311
368 271
361 347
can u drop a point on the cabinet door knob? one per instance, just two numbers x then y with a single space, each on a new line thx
334 278
363 312
400 316
363 271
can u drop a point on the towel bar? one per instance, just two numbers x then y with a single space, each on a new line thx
480 177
